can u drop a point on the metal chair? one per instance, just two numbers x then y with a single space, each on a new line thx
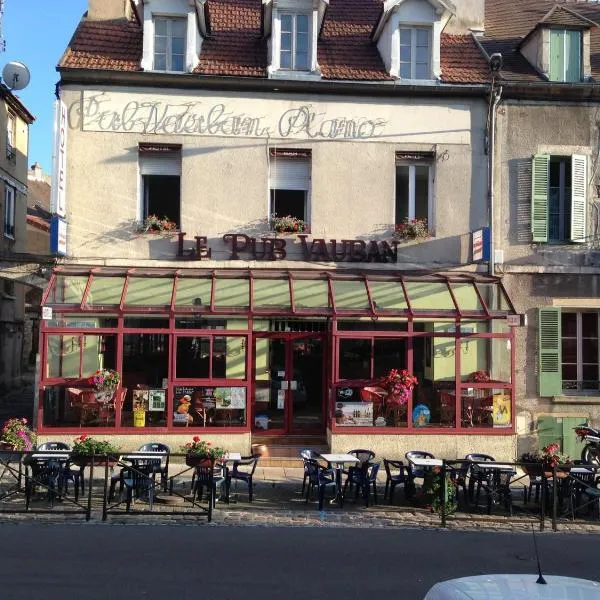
163 467
321 478
307 454
415 472
246 476
363 478
393 479
476 474
203 479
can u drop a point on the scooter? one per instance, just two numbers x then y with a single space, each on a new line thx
591 452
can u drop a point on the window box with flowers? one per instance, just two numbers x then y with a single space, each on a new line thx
398 386
411 229
201 453
154 224
86 450
288 224
536 463
105 382
16 436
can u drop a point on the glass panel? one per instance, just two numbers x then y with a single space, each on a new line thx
202 322
405 71
388 354
142 322
355 359
178 46
307 384
286 23
422 55
160 27
149 291
421 182
99 352
434 406
269 376
466 296
81 321
106 290
387 295
494 297
350 294
402 187
232 292
200 406
178 27
193 292
229 358
368 324
568 324
405 53
301 61
193 358
302 43
488 408
422 71
474 359
302 24
286 42
160 62
63 356
422 37
589 350
589 324
428 295
311 293
68 290
569 372
160 45
405 36
271 292
176 63
569 350
285 61
145 369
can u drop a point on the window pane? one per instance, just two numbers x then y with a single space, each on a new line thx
405 71
229 358
405 36
177 63
286 60
422 55
589 324
387 295
193 292
466 297
106 290
569 372
178 28
160 27
355 359
405 54
142 291
402 195
63 356
178 46
493 296
68 290
289 203
302 24
569 324
160 62
429 295
421 192
311 294
193 358
590 374
232 292
271 292
286 42
422 71
388 354
302 43
589 350
350 294
569 350
286 23
422 37
301 61
160 45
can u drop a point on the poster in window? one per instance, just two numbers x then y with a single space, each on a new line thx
501 410
183 406
156 400
140 400
354 414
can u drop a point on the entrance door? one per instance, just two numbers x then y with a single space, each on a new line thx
288 384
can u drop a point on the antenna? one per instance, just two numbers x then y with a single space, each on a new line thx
540 578
16 75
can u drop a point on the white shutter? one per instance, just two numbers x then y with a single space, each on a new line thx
160 163
289 174
578 198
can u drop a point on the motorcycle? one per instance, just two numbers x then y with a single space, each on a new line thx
590 454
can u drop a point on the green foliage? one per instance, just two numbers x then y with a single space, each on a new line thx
432 485
85 444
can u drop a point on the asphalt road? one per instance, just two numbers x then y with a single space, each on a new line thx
170 562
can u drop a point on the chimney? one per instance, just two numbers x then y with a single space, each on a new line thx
108 10
36 173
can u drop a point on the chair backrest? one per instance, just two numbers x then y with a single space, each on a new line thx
475 457
119 399
393 464
446 400
372 475
251 461
155 447
54 446
307 453
418 454
363 455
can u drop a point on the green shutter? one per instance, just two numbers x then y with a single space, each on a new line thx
549 430
540 168
549 350
572 56
578 198
557 55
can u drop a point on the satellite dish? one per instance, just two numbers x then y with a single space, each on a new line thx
16 75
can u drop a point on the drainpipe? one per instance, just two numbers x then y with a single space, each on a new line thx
495 95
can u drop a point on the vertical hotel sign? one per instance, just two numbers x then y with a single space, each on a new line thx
59 175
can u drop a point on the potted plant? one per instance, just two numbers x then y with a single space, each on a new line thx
479 377
105 382
154 224
411 229
536 463
288 224
16 435
86 449
432 490
200 452
398 385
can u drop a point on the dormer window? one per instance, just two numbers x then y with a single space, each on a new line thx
295 41
169 44
565 55
415 53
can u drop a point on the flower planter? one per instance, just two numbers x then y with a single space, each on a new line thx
8 453
85 460
192 460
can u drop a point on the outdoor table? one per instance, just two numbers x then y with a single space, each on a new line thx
60 456
338 461
426 462
496 466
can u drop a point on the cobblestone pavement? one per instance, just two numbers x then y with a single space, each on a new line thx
278 503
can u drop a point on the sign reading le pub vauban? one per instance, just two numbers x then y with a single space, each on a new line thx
267 248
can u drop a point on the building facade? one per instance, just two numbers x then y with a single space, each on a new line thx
14 121
264 220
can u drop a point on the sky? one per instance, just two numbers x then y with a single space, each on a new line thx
37 33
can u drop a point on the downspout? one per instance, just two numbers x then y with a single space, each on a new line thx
495 96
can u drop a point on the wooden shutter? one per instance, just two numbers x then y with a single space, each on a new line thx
572 56
549 351
540 168
578 198
557 55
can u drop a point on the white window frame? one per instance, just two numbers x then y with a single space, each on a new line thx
412 189
169 50
11 126
307 197
413 51
579 340
9 212
294 16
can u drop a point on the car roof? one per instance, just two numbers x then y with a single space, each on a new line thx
514 587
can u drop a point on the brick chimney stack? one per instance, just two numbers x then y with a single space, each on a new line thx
109 10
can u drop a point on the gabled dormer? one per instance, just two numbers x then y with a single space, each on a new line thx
408 37
173 34
291 28
559 45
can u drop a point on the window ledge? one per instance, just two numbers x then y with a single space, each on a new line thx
295 75
577 399
159 232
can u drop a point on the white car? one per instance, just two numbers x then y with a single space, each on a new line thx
514 587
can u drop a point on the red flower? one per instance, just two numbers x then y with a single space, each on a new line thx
196 438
